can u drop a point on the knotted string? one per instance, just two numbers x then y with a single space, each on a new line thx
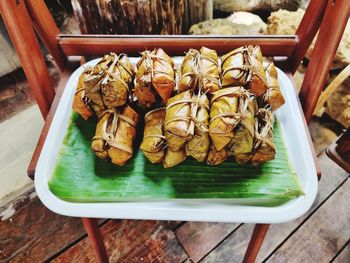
261 136
271 88
195 103
196 73
198 79
246 67
87 71
246 98
195 106
235 117
251 62
113 73
114 70
156 145
109 129
149 58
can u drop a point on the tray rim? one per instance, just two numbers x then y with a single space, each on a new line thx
190 210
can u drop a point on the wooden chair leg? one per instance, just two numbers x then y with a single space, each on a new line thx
46 28
20 29
93 231
329 36
255 243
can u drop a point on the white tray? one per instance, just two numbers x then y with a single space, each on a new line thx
293 130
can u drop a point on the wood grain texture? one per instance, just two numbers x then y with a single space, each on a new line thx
322 134
199 238
129 17
140 17
19 27
344 255
343 143
36 233
233 247
16 94
16 204
255 242
323 235
46 28
339 151
97 45
333 153
173 225
234 251
329 36
307 30
14 161
92 229
131 241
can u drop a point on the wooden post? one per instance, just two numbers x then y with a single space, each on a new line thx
306 31
46 28
19 26
329 36
255 243
93 231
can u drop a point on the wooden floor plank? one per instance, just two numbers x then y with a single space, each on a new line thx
131 241
323 133
194 235
199 238
15 94
36 233
58 233
173 224
19 144
234 246
344 255
323 235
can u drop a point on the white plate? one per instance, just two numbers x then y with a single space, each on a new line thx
293 131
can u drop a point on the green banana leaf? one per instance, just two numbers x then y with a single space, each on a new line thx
79 176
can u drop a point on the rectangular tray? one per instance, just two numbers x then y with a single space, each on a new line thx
194 209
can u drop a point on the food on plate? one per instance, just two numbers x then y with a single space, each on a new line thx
199 71
244 67
224 116
198 145
98 143
264 147
124 132
173 158
234 70
104 86
80 101
155 78
273 95
116 84
115 133
216 157
108 85
93 94
153 144
178 125
256 79
241 144
207 118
